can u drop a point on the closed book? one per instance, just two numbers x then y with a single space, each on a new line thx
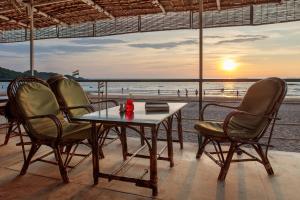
156 107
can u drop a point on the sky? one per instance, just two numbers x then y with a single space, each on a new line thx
256 51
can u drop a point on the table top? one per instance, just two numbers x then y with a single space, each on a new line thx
138 117
3 99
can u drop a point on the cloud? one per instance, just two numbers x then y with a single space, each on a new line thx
248 36
59 48
96 41
4 56
213 37
51 49
243 38
166 45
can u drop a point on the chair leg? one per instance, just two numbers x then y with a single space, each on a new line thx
67 151
202 147
22 141
101 154
62 168
7 136
33 150
226 165
265 160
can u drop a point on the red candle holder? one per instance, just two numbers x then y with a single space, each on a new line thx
129 115
129 105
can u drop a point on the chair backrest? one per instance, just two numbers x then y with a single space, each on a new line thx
262 98
69 94
30 97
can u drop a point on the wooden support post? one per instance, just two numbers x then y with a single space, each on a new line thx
200 60
31 18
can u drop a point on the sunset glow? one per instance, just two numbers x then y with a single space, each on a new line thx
229 65
234 52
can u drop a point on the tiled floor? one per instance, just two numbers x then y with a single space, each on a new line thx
189 179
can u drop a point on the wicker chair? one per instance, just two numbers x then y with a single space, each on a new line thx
244 126
36 108
74 101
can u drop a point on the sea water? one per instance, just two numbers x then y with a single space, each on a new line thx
175 88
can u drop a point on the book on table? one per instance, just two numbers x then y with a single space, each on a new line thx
154 106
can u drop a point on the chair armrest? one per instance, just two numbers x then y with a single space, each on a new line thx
55 120
214 104
106 101
89 108
239 112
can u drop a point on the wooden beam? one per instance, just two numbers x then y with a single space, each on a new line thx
219 4
49 17
42 13
157 3
47 3
13 21
98 8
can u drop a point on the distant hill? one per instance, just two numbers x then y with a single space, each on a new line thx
11 74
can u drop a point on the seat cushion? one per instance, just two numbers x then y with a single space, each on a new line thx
215 129
37 99
73 95
71 132
260 99
210 128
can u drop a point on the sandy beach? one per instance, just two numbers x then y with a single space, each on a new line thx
286 134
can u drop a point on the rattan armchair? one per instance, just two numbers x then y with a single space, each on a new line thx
36 108
74 101
245 125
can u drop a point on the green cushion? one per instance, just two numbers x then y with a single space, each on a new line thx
37 99
71 132
73 95
260 99
215 129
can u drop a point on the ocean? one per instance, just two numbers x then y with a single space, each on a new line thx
174 89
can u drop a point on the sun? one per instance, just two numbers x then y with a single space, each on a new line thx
229 65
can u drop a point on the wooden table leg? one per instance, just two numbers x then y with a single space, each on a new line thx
153 161
170 141
124 142
95 152
179 127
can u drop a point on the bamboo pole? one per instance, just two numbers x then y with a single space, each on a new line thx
200 61
200 54
30 9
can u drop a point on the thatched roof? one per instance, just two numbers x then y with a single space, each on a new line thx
83 18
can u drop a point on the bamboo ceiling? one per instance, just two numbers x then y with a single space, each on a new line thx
87 18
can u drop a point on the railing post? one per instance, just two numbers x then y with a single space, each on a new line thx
99 98
106 94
